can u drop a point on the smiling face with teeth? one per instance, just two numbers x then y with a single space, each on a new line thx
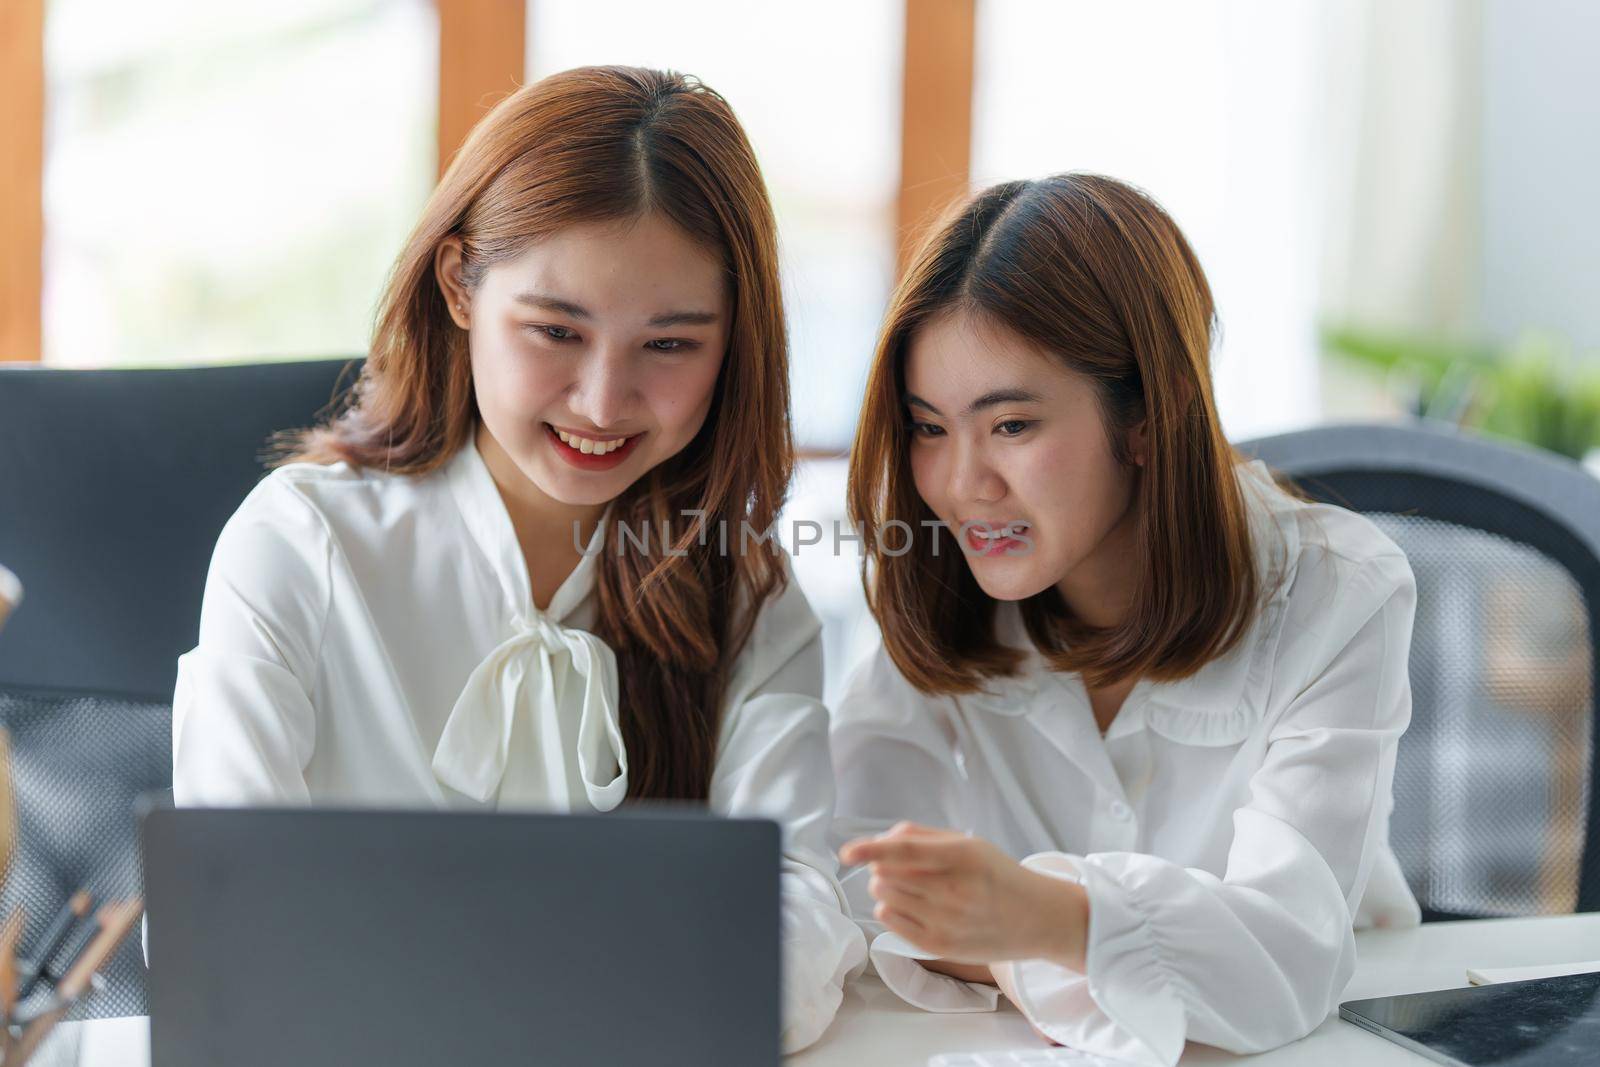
1011 443
595 356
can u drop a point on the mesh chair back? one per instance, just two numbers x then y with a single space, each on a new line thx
79 763
1494 813
115 485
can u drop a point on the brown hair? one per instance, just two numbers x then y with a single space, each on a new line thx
1094 272
585 145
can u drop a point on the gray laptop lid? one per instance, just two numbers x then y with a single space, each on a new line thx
319 937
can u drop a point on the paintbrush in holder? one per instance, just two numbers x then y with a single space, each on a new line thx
89 940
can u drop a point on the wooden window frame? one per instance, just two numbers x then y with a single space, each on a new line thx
22 179
935 116
482 50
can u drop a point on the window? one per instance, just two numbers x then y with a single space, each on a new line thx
825 123
230 182
1207 105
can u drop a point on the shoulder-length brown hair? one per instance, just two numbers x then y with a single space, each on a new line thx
593 144
1094 272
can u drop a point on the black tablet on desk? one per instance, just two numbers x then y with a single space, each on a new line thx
1550 1021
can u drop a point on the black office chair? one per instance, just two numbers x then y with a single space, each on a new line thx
1495 813
113 488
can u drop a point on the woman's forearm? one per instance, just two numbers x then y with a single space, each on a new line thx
1062 911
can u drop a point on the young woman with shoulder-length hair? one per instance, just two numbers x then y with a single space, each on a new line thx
1127 750
495 580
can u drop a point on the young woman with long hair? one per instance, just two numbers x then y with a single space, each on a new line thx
1127 750
496 579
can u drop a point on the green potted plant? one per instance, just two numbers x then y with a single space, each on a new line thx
1536 389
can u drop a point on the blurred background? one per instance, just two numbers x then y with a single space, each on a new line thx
1392 198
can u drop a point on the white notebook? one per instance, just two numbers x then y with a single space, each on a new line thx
1491 975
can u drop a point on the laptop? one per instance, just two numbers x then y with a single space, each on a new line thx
336 937
1551 1022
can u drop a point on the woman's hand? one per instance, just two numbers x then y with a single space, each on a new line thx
961 897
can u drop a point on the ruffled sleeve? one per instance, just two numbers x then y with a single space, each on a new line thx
243 723
1260 956
772 762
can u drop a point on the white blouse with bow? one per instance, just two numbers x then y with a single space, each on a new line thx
1231 829
371 639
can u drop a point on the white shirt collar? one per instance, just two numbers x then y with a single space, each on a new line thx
489 522
536 724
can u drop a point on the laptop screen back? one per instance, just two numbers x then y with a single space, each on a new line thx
408 938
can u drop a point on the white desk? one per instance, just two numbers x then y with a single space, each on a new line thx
874 1027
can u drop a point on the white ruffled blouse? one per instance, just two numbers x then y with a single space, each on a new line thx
371 639
1231 829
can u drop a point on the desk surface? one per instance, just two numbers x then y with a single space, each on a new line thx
876 1027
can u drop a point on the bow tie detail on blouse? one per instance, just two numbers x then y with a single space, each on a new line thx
505 731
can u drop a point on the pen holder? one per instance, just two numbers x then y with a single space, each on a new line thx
38 989
36 998
61 1047
42 983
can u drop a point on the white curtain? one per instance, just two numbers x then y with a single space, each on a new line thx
1401 114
